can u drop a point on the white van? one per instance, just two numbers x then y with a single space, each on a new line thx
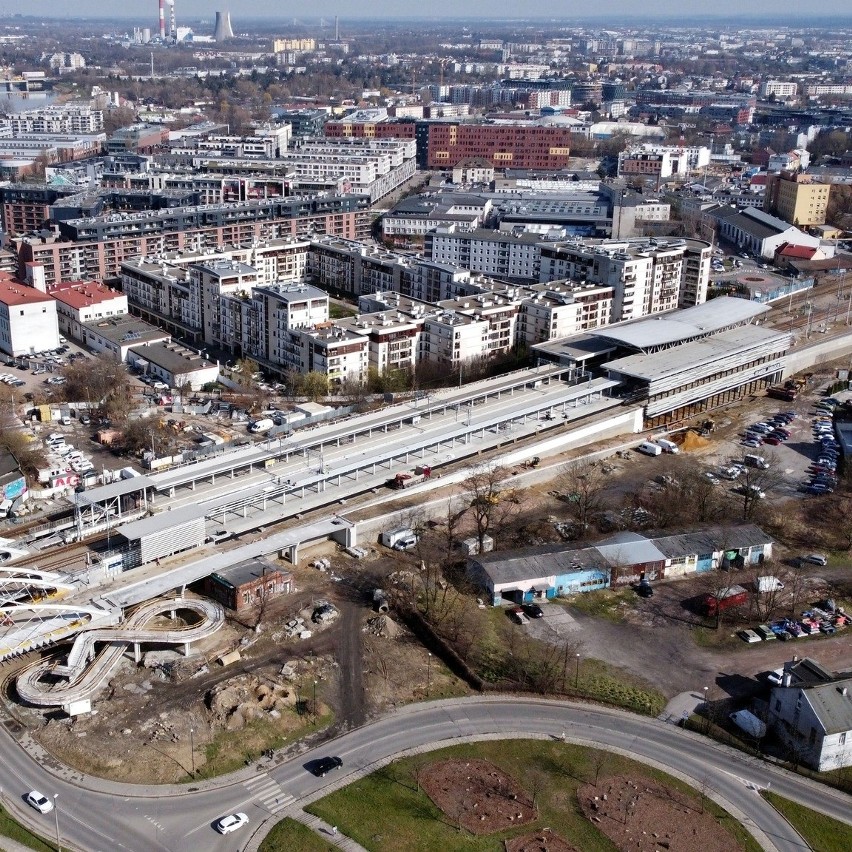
668 446
649 448
5 508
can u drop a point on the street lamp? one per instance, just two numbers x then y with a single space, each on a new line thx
577 674
56 816
428 672
192 749
315 699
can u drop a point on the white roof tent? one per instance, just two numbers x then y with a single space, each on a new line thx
680 326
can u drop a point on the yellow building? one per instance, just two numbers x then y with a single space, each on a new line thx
796 198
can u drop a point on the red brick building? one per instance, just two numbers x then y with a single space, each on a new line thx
248 584
516 146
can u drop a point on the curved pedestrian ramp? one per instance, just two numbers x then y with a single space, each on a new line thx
49 683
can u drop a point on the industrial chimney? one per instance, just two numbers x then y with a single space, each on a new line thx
162 20
223 29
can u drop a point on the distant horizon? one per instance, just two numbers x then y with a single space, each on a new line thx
609 20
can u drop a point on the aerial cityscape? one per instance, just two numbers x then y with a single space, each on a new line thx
425 428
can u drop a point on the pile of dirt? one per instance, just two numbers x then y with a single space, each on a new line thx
382 625
246 698
540 841
693 441
477 795
643 815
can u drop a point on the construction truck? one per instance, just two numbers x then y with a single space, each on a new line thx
406 479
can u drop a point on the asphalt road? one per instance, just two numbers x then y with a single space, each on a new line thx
100 816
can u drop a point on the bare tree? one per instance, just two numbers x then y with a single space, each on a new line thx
491 506
599 760
583 484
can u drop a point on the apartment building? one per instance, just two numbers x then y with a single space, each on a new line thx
96 247
81 302
502 255
662 161
647 276
57 118
797 198
782 89
28 321
562 308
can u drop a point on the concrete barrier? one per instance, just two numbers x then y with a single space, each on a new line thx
817 353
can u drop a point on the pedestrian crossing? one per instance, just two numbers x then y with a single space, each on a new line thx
269 792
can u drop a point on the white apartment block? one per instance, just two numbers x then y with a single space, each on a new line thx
647 276
28 320
487 252
561 309
67 118
662 161
783 89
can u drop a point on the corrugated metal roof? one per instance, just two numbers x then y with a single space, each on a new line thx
683 325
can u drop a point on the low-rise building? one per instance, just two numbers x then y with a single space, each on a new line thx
116 336
251 584
28 319
175 365
82 302
550 571
814 720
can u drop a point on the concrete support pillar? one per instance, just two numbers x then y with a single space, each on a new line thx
192 485
137 654
186 649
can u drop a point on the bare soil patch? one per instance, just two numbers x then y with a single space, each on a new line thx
640 814
540 841
477 795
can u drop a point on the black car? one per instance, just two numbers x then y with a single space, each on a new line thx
325 765
644 589
533 610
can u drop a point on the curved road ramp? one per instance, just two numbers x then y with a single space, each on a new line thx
48 683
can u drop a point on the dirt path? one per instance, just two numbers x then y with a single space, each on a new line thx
352 710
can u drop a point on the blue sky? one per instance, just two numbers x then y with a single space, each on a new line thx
146 10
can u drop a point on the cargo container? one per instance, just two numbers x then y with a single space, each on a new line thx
728 598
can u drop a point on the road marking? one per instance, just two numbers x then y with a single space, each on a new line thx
269 792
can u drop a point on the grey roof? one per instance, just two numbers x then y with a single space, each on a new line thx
162 521
622 548
653 366
124 329
115 489
711 539
172 358
247 571
682 325
629 548
833 708
530 563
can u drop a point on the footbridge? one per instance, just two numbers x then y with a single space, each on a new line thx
85 671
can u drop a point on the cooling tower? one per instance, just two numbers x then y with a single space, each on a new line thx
223 29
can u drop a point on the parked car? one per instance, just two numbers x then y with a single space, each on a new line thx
749 636
39 801
517 614
533 610
765 633
231 823
815 559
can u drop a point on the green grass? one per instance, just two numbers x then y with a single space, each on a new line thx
232 750
821 832
387 812
339 311
605 603
606 683
291 836
12 829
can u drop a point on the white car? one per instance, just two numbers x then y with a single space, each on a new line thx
815 559
39 801
776 677
231 823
